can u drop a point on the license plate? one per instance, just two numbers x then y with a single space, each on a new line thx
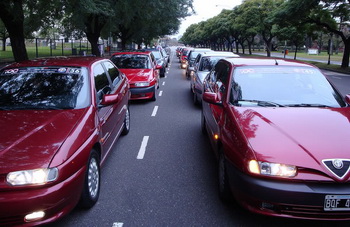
337 202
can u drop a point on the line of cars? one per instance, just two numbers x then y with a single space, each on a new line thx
60 118
279 131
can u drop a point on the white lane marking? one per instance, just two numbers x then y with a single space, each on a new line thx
142 150
160 93
118 224
154 112
163 83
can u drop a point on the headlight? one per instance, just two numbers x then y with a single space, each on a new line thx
32 177
272 169
142 84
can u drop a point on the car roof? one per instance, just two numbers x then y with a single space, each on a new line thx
219 53
246 61
57 61
132 52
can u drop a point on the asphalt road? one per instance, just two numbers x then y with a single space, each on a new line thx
163 173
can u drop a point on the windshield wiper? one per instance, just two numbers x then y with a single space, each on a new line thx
307 105
262 103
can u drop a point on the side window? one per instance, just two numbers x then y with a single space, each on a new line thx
221 73
113 72
102 84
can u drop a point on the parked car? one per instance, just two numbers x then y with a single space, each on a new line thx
203 63
59 120
142 71
192 57
280 132
183 57
160 59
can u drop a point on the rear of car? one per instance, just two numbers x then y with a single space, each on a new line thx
142 72
279 130
54 114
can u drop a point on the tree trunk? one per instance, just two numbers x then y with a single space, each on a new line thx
94 25
345 60
13 21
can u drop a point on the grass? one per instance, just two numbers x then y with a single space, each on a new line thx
42 51
311 59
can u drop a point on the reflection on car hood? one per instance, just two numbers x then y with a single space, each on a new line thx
30 138
297 136
137 75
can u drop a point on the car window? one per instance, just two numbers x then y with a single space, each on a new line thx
113 72
284 85
44 88
131 61
102 83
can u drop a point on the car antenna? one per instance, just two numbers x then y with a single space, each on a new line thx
276 63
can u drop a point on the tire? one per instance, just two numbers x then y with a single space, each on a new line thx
154 97
195 99
126 128
91 188
203 124
223 181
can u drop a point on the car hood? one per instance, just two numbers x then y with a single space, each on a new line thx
137 75
30 138
297 136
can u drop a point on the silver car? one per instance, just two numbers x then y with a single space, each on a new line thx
202 66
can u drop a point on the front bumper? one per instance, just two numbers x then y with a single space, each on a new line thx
142 92
304 200
55 200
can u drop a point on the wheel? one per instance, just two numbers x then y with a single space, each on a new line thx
91 189
195 99
203 124
154 97
223 181
126 128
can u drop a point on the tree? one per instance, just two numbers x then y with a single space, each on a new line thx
332 15
22 17
4 35
11 13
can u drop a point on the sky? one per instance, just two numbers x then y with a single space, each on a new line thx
205 9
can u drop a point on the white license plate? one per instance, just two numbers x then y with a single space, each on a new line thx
337 202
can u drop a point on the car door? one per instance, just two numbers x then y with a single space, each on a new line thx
216 83
108 115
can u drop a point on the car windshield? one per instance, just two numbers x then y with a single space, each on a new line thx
207 63
44 88
283 86
131 61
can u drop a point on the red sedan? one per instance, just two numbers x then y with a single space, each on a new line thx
142 71
59 119
280 131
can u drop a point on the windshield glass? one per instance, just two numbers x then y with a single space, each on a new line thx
283 85
131 61
44 88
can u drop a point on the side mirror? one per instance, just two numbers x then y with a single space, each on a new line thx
158 67
212 98
347 99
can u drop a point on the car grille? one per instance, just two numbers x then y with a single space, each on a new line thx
11 221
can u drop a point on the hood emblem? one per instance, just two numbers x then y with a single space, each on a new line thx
338 167
337 163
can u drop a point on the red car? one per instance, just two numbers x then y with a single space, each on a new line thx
142 71
280 132
59 119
